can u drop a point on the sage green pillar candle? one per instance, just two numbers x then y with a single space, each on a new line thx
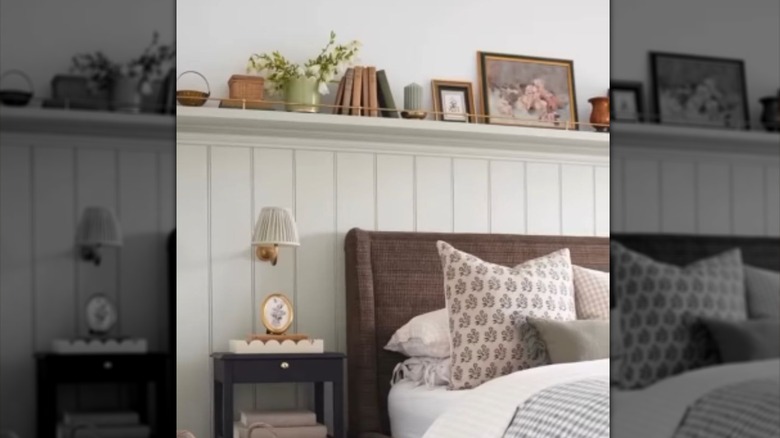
413 97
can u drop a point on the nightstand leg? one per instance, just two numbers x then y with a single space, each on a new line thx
227 409
217 408
319 401
338 409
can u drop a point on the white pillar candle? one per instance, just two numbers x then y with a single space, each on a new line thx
413 97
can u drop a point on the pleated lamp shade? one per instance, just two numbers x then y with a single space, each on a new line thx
275 226
98 227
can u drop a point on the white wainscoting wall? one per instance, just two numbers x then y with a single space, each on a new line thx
46 179
224 180
695 181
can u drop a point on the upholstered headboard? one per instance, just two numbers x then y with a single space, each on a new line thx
394 276
682 249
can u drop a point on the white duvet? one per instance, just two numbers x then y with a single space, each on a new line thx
656 411
489 408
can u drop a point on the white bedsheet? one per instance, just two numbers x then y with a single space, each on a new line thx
488 409
656 411
412 409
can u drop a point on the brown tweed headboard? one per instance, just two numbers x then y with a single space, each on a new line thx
682 249
394 276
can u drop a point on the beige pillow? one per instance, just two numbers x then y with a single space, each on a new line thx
763 293
487 306
591 293
425 335
574 341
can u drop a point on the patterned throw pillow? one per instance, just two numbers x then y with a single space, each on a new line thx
488 305
660 306
591 293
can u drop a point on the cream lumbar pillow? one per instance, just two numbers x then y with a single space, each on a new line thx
488 304
425 335
591 293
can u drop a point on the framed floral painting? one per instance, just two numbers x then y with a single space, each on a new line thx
699 90
527 91
453 101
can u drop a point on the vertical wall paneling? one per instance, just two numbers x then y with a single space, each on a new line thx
643 205
772 201
543 188
617 205
315 307
193 279
97 186
354 208
602 211
578 200
166 206
330 192
678 197
137 197
714 203
507 197
231 231
55 227
273 186
748 206
471 199
17 341
395 192
434 194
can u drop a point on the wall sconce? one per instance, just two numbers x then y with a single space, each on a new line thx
275 226
98 227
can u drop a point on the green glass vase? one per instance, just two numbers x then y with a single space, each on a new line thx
302 95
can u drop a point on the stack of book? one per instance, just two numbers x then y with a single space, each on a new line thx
110 424
364 91
281 424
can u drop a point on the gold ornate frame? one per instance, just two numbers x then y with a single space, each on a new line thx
269 328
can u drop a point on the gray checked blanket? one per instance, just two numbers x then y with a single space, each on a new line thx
749 409
577 409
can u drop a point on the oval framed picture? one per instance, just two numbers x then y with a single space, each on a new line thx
277 313
101 314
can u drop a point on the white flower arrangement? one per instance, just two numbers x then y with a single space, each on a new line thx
332 61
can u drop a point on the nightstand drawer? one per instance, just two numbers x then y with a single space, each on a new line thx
96 368
287 370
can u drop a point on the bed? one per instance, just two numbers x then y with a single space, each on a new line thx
669 407
394 276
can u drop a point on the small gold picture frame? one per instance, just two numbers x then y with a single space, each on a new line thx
453 101
277 313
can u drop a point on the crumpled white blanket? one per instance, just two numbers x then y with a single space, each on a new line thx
428 371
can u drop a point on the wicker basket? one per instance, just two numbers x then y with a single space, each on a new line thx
193 97
246 87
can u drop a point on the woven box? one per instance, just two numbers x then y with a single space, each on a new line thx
246 87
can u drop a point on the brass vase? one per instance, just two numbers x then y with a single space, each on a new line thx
599 114
302 95
770 115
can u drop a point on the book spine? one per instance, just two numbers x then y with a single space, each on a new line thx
373 102
347 100
366 93
339 96
385 96
357 91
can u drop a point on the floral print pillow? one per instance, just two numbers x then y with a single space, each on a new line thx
488 305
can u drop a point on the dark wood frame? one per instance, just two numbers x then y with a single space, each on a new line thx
633 86
655 90
463 86
482 58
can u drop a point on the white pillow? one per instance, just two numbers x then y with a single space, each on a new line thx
428 371
426 335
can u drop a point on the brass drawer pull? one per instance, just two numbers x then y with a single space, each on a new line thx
285 365
108 365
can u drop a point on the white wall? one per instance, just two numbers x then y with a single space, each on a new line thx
720 28
221 187
414 41
39 37
44 185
